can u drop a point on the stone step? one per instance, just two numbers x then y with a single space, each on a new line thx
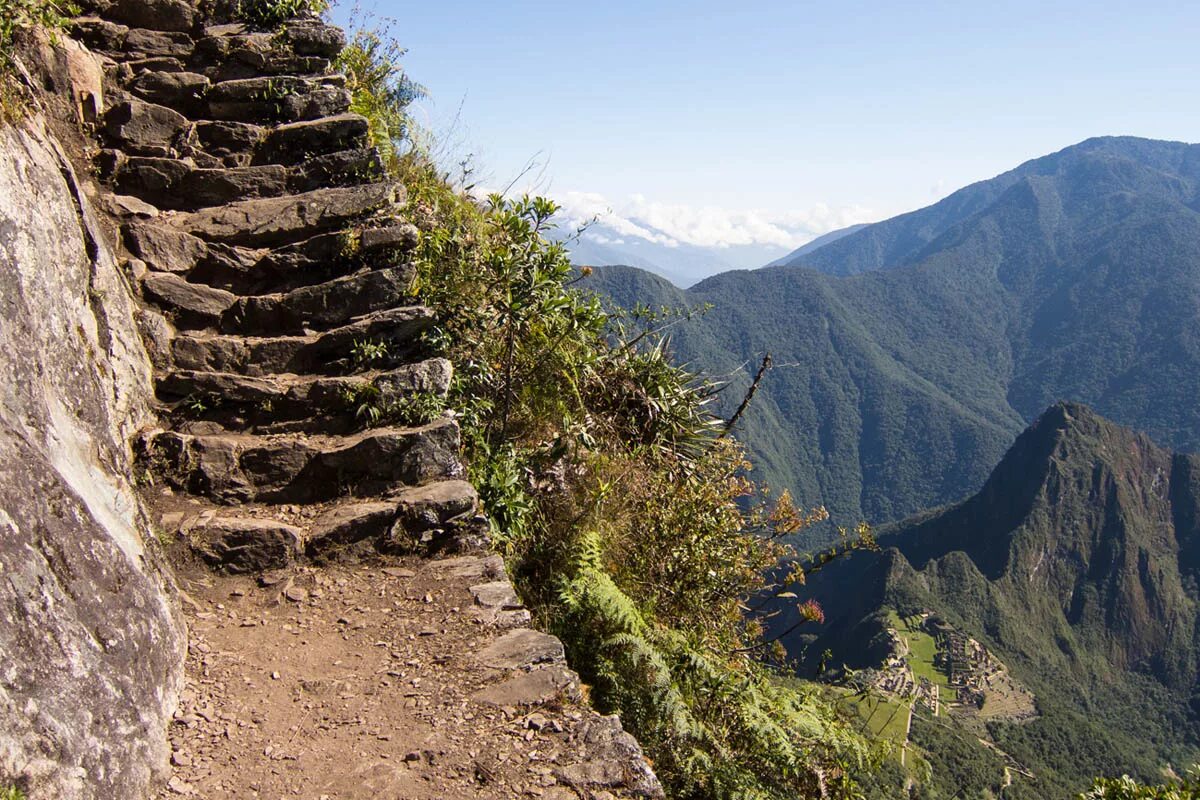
259 538
282 98
145 129
159 15
230 144
381 340
316 307
295 142
275 399
124 72
123 43
412 517
166 249
180 184
177 184
234 543
323 305
331 254
275 221
175 88
230 52
310 36
298 468
254 271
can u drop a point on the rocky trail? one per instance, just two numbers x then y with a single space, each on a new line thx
399 681
350 635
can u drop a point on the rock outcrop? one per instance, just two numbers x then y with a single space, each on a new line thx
91 646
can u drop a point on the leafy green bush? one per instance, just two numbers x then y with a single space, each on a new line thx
381 90
270 14
11 793
372 408
1126 788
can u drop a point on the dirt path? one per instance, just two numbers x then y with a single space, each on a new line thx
385 681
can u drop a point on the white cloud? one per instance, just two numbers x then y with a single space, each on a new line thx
704 226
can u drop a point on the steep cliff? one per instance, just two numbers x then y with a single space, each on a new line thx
91 645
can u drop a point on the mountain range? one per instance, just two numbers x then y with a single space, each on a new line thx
1077 563
656 251
911 352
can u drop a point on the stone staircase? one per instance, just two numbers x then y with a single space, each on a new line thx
271 241
268 242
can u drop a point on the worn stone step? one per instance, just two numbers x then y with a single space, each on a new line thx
316 307
323 305
233 543
175 88
295 142
271 399
282 98
156 15
190 305
146 129
340 168
330 254
123 43
165 249
230 52
177 184
254 537
279 220
381 340
232 143
311 36
298 468
123 73
408 518
181 184
254 271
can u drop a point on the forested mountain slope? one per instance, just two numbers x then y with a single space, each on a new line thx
1075 276
1077 563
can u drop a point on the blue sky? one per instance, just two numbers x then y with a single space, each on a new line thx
719 120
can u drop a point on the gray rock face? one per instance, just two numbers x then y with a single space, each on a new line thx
91 649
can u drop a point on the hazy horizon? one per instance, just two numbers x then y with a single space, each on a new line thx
751 130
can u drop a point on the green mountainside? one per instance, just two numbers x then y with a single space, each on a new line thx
1077 564
910 353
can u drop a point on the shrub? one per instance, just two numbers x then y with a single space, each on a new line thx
1125 788
270 14
381 90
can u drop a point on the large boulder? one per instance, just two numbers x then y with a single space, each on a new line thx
91 644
